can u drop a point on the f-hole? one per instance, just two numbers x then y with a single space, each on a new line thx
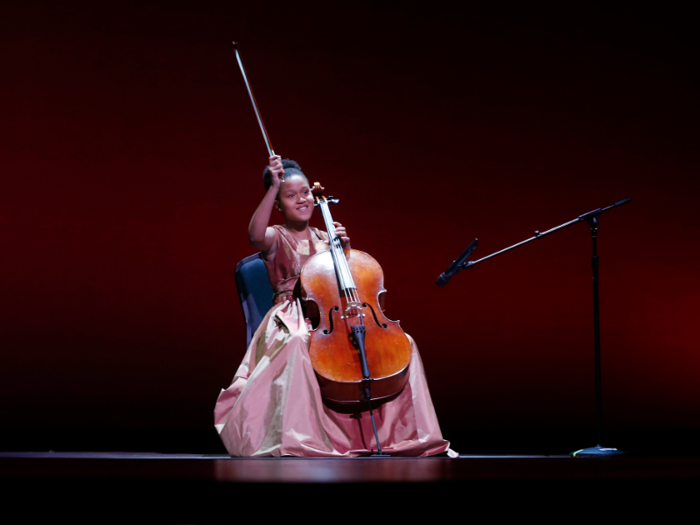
374 314
330 320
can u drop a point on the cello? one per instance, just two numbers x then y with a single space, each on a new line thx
358 354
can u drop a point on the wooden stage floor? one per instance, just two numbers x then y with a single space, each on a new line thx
218 489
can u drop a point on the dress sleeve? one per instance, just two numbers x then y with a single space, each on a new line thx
277 241
320 241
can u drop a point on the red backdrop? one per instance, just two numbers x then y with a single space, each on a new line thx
132 163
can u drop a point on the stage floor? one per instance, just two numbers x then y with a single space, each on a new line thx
213 488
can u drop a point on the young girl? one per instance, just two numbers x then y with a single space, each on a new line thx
274 406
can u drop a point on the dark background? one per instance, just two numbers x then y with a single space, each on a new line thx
131 163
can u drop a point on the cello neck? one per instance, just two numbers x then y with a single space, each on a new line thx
342 270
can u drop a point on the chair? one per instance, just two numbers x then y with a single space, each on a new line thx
254 292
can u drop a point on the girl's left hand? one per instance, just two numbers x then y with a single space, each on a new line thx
340 232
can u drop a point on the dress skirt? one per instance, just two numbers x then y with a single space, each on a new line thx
274 406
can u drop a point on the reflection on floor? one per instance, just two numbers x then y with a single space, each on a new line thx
216 488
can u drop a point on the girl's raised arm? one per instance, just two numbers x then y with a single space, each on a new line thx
260 234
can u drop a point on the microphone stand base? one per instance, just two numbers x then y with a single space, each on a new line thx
597 452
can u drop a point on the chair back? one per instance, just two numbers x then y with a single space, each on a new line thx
254 291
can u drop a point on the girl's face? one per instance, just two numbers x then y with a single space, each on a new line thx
295 199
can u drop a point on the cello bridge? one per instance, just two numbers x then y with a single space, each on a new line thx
353 309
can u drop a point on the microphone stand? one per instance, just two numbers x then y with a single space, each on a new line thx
592 219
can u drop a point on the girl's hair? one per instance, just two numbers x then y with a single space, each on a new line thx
290 168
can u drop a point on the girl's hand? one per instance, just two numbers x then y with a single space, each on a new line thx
276 170
340 232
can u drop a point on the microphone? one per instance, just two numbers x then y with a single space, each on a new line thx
456 265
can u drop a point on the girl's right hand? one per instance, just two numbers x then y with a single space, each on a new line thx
276 170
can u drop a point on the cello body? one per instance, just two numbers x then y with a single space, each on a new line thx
334 350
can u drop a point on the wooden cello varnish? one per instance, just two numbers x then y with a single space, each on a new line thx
342 290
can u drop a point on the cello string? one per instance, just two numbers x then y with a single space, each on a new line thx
345 277
348 290
341 265
331 234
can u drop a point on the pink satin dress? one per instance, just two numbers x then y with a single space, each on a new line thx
274 406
